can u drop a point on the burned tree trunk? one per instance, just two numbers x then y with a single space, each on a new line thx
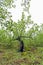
21 44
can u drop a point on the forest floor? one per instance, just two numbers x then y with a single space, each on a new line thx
30 57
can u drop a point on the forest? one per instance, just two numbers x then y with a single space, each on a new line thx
21 42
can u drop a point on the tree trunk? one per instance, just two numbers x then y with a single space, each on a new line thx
21 46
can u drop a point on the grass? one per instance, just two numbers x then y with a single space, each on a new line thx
13 57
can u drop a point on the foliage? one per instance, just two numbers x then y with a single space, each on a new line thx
11 30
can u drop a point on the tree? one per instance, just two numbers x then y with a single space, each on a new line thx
17 29
11 31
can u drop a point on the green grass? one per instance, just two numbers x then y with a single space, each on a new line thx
13 57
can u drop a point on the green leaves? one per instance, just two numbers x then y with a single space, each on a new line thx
11 30
26 4
6 2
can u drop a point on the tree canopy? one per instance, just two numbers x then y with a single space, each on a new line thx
10 30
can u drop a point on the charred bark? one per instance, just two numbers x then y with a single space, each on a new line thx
21 44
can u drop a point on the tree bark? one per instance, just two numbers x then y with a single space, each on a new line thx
21 46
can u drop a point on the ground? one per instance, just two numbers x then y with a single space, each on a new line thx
34 56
